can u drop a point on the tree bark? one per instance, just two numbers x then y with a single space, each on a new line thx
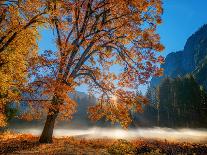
46 136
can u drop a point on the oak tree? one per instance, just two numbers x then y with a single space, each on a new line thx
91 37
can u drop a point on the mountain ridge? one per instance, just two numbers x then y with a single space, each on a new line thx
191 60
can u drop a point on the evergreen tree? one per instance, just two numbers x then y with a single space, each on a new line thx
178 102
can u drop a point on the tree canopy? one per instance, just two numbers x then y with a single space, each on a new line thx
18 44
91 36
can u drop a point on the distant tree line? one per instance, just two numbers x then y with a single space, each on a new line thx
178 102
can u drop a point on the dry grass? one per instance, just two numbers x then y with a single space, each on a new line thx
13 143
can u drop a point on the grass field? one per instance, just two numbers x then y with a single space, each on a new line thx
13 143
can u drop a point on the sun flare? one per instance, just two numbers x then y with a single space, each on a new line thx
114 98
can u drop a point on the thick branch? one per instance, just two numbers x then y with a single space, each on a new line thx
89 74
32 21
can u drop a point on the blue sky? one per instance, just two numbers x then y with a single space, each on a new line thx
181 18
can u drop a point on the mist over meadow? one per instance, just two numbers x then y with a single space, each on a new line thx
176 135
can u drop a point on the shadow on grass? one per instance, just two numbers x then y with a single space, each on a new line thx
13 145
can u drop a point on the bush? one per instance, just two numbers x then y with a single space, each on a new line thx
121 147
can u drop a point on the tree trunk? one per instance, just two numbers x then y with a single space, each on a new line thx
158 117
46 136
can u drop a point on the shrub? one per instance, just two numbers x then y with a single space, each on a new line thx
121 147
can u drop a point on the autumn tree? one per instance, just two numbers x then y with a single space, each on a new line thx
19 21
91 36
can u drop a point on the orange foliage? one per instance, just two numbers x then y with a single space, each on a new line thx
91 37
18 44
11 143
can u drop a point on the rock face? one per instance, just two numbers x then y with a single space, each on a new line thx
191 60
